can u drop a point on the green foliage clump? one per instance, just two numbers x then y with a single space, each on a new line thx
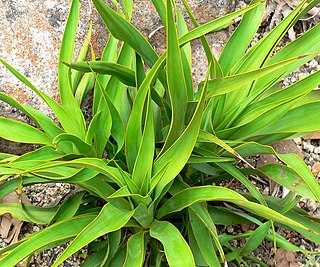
147 160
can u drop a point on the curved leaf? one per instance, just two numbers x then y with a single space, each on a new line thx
176 249
124 74
109 220
48 126
193 195
135 251
66 54
71 144
21 132
28 213
123 30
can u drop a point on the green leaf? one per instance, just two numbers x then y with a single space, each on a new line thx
161 10
124 74
86 84
5 156
67 121
259 55
288 178
298 120
48 126
193 195
134 131
204 241
201 211
176 249
251 109
241 37
264 48
43 154
13 184
123 30
112 124
174 159
228 167
76 75
176 81
99 165
114 241
109 54
109 219
298 165
66 54
21 132
135 250
28 213
255 238
228 84
141 173
215 71
214 24
197 255
68 208
307 43
224 216
71 144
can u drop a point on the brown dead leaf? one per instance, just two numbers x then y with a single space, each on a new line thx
266 159
284 258
10 227
316 169
287 146
315 135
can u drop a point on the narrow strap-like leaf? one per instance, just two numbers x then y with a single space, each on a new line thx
66 54
176 81
48 126
214 25
21 132
71 144
204 241
124 74
135 250
241 37
176 249
41 215
68 208
173 160
67 121
123 30
255 238
193 195
143 164
109 219
134 130
228 84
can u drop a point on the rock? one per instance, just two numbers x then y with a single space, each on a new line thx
317 150
312 205
306 145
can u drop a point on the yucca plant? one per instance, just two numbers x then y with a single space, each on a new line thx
147 160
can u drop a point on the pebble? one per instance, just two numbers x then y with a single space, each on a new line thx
317 150
312 205
308 146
